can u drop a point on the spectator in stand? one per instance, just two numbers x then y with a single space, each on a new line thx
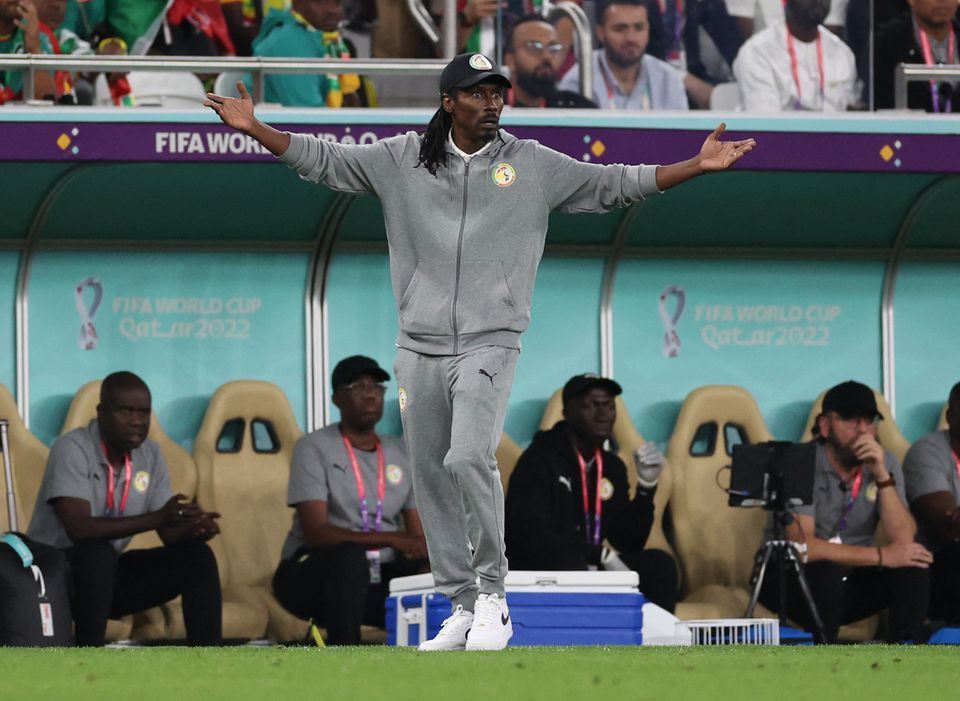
112 88
21 32
625 76
476 25
753 16
53 13
568 506
925 34
797 64
194 28
532 55
932 472
310 29
82 17
676 29
244 19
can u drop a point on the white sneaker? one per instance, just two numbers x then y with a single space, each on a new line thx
453 632
492 627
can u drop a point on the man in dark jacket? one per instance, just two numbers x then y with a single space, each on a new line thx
568 505
926 34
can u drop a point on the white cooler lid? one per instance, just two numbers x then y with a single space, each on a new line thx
536 580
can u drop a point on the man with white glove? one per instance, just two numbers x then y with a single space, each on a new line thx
569 507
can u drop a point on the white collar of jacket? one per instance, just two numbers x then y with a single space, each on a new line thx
463 154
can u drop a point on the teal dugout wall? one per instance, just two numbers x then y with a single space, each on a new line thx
8 349
794 277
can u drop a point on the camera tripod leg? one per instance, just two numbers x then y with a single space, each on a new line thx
759 570
818 631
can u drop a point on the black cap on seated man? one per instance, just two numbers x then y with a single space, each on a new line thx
565 467
105 483
533 54
343 548
858 487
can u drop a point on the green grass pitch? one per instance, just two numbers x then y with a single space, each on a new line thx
379 673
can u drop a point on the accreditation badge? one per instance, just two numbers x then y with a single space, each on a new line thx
872 492
373 559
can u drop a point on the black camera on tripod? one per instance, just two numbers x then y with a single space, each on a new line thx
775 475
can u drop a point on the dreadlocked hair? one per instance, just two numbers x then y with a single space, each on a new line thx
433 151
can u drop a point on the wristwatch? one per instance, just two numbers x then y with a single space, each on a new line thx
889 482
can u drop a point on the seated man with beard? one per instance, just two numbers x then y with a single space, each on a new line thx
533 53
858 486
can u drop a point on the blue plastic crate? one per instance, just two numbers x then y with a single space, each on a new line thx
539 618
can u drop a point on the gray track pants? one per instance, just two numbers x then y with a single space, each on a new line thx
452 408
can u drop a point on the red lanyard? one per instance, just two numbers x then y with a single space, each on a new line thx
854 492
795 66
362 490
128 471
598 508
928 59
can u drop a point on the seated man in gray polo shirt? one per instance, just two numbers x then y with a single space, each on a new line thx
356 524
932 471
107 482
857 486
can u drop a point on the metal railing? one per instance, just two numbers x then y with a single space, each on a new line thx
581 26
258 67
912 72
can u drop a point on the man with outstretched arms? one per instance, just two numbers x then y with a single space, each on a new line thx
466 207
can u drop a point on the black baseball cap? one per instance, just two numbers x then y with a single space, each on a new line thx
852 400
469 69
578 385
349 369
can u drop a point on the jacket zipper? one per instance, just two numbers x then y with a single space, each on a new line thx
456 289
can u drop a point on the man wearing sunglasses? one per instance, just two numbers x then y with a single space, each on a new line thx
355 524
533 54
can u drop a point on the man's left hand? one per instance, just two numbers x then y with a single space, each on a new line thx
207 527
720 155
649 464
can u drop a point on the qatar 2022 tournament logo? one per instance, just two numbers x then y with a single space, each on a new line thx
87 340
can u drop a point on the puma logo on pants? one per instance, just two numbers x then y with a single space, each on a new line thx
486 374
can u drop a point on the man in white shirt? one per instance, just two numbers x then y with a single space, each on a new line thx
796 64
755 15
625 77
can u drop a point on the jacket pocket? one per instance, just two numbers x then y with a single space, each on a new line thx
486 302
425 305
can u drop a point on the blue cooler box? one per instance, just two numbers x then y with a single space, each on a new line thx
547 608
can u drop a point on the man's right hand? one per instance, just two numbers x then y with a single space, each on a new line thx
412 545
236 113
906 555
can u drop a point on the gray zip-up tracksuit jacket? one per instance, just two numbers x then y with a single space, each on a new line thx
465 245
